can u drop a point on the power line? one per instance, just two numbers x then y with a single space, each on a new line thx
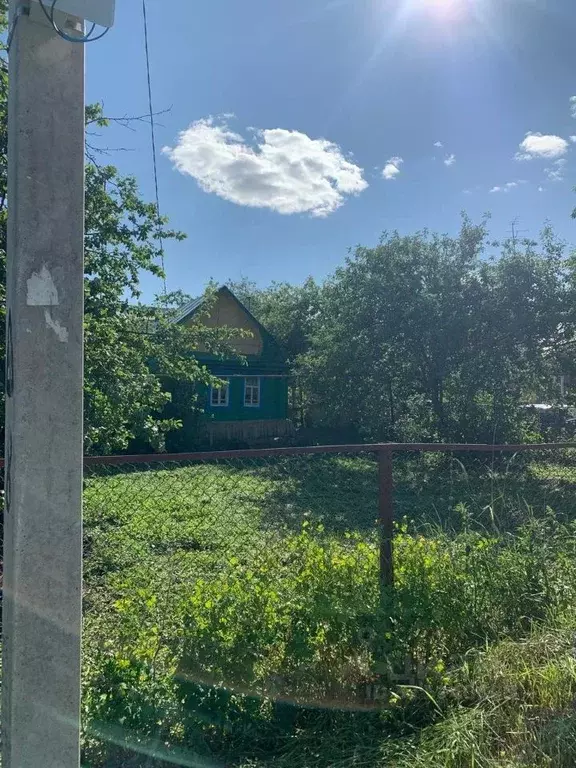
153 140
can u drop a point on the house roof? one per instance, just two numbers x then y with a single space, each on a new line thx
188 309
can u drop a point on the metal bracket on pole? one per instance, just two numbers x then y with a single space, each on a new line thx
99 12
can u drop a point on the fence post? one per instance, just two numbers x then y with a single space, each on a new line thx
386 516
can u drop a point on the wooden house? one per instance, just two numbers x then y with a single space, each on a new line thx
252 406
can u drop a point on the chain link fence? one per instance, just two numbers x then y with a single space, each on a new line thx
260 551
202 511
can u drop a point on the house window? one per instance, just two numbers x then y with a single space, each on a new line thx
252 391
219 395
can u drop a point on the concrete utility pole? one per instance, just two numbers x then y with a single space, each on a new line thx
43 518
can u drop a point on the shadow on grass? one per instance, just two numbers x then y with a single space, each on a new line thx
340 493
482 492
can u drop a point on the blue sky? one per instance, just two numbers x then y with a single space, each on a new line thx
285 118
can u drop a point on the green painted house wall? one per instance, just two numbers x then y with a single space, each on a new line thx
273 401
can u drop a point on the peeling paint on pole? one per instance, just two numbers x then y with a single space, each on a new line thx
59 330
41 289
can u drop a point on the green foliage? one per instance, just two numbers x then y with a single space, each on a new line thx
131 350
423 337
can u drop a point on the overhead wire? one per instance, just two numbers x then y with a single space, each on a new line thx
153 140
83 39
89 39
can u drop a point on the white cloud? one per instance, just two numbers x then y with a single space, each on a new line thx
438 144
284 170
537 145
573 106
540 189
573 139
556 171
392 168
508 186
390 171
449 160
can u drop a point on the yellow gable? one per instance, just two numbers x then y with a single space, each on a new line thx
225 311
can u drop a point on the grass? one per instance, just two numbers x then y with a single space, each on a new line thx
234 616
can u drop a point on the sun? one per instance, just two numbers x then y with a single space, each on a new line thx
445 7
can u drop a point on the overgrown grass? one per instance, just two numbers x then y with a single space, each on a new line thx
234 615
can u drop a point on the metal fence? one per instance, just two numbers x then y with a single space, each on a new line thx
240 505
246 501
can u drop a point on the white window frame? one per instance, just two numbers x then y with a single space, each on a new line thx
257 386
221 402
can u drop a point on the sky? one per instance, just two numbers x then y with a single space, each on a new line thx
293 131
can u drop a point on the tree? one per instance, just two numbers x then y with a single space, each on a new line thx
422 337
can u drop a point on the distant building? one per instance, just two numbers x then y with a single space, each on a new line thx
252 406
